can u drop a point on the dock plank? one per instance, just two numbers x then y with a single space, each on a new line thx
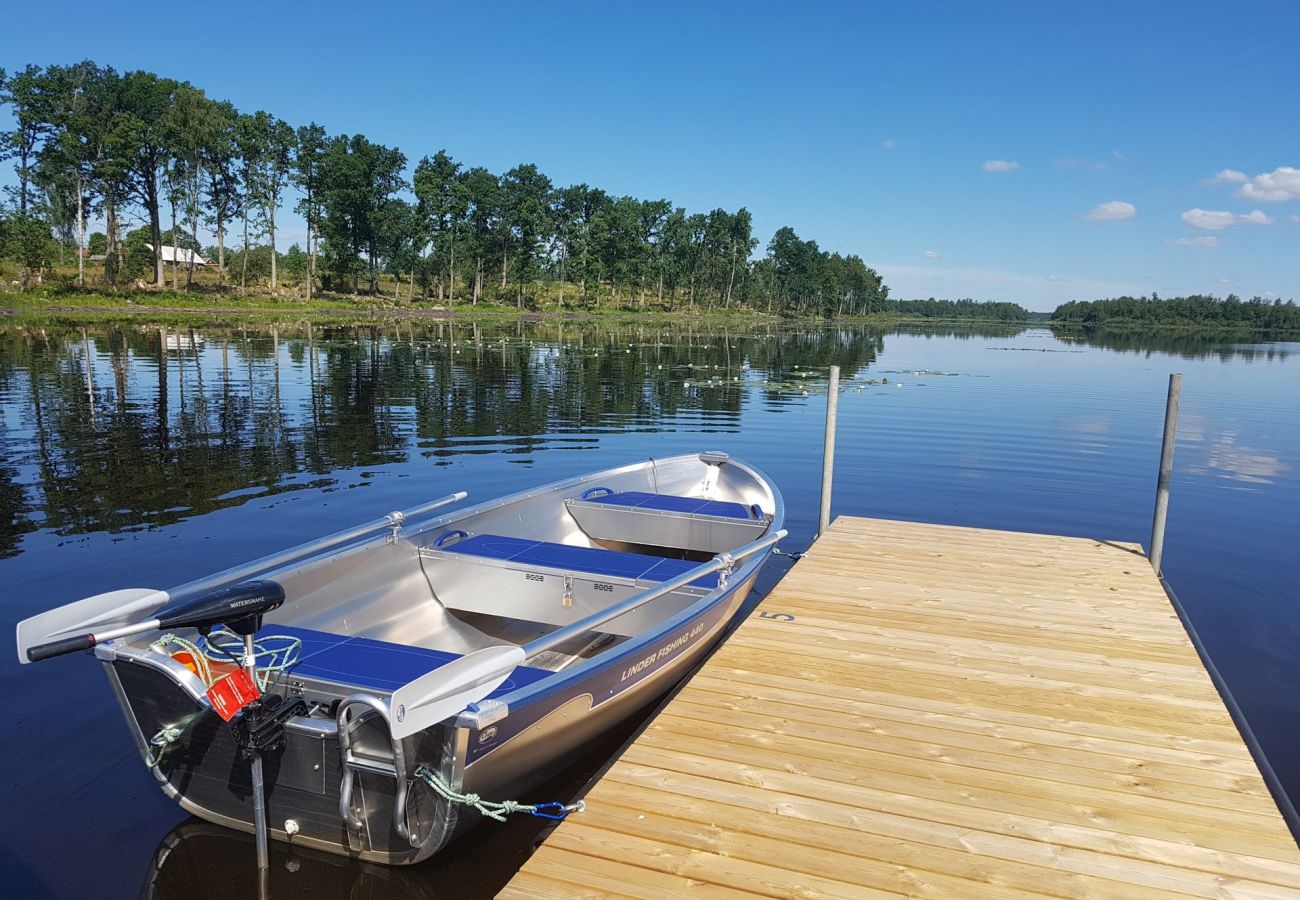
951 712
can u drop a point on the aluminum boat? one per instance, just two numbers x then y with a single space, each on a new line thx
428 655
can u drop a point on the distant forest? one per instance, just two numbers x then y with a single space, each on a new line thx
958 309
156 159
1198 310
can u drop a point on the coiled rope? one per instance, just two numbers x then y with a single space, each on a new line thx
272 653
280 652
497 810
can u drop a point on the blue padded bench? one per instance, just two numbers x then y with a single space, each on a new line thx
377 665
590 560
670 503
666 520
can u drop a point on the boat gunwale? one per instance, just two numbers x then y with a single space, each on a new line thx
566 679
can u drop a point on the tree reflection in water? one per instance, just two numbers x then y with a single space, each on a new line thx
122 427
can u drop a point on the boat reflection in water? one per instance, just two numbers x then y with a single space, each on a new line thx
197 860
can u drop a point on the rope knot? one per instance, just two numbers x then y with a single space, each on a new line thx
489 808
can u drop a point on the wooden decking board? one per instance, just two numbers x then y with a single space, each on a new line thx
905 752
953 712
900 702
1000 755
917 775
1029 674
1017 863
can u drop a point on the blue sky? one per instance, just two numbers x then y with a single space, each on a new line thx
868 127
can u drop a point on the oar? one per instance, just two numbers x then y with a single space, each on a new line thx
93 614
449 689
234 604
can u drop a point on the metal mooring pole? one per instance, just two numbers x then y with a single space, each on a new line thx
1166 471
259 784
828 451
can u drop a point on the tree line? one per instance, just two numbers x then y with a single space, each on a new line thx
1197 309
91 143
997 311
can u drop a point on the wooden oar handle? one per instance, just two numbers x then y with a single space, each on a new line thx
58 648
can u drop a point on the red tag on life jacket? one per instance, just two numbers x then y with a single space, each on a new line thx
231 694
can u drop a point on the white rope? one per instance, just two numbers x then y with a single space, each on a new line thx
497 810
223 645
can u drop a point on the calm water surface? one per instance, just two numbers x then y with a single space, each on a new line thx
133 456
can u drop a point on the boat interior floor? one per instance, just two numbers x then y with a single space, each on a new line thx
519 631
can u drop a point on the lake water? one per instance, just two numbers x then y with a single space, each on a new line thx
133 456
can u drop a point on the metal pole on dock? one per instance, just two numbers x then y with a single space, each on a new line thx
1166 470
828 451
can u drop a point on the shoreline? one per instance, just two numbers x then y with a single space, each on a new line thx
90 307
72 308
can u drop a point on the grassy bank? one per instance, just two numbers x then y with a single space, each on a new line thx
66 304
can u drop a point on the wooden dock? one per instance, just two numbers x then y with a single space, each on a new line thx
936 711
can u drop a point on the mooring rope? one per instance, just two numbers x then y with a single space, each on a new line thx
496 809
160 743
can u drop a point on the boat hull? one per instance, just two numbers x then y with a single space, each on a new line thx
612 613
205 773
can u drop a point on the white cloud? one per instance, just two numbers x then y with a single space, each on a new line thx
933 254
1117 154
1208 220
1217 220
1283 183
889 144
1204 240
1294 219
1111 211
1255 217
1227 176
1000 165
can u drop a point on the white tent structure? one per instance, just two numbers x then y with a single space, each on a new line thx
180 255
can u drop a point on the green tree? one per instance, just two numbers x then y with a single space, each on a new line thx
24 91
481 191
141 133
525 193
266 146
222 184
357 180
440 211
308 159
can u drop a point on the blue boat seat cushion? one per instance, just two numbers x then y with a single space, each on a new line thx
377 665
671 503
589 560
